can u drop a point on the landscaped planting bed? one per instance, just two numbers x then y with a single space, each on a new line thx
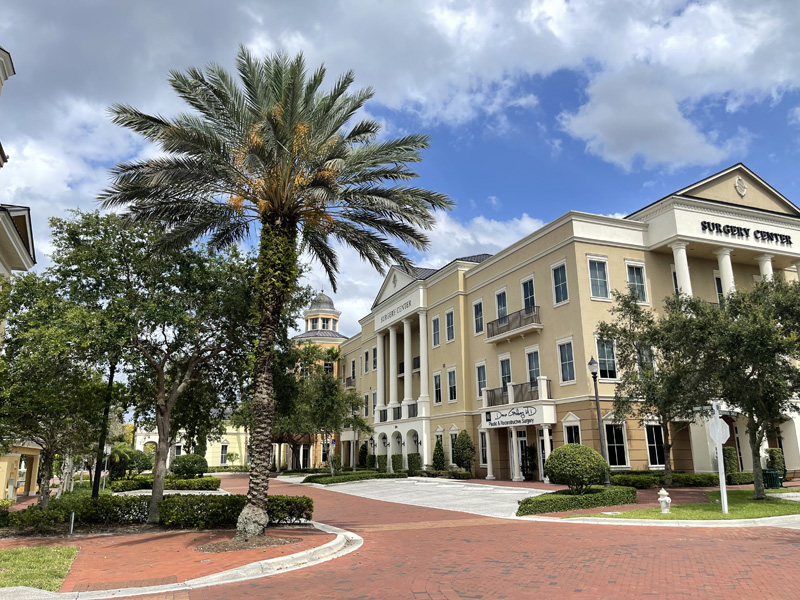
145 482
357 476
649 479
563 501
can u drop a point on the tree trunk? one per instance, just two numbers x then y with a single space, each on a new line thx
101 443
45 475
276 281
667 454
65 476
756 435
160 462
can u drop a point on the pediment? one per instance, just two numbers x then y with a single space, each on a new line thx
395 280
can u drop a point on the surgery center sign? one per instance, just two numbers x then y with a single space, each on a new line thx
516 416
397 310
745 233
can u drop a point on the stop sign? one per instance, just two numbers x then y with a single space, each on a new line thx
719 430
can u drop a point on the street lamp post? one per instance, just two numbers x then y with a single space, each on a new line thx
594 367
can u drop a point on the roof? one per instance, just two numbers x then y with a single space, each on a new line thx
320 333
421 273
322 302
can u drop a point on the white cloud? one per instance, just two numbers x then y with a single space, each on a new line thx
794 116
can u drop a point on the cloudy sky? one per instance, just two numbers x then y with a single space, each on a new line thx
535 108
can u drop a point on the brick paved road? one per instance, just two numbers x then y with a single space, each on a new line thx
421 553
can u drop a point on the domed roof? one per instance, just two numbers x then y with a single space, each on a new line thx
322 302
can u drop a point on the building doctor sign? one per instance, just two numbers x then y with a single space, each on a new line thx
517 416
744 233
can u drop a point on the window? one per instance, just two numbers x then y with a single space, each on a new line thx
482 442
439 439
353 369
718 285
655 445
374 403
502 308
675 287
366 361
437 388
572 434
566 362
374 358
636 281
481 373
605 356
435 326
598 278
478 309
325 452
178 450
450 330
328 367
366 405
615 441
560 292
453 437
451 385
326 323
533 367
528 298
314 323
505 373
223 452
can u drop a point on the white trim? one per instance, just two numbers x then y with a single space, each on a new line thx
522 281
571 420
497 292
616 362
559 342
531 350
590 258
500 359
553 266
609 420
483 442
638 263
441 394
433 338
450 311
716 291
674 279
650 465
455 378
483 318
481 363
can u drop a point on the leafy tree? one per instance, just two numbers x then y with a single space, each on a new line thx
438 456
661 377
125 462
464 451
275 151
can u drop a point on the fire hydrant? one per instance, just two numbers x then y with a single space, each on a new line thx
664 500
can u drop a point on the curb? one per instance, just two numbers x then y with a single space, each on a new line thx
344 543
783 521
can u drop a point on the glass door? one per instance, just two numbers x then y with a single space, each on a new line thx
541 451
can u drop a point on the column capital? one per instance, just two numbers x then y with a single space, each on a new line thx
723 251
678 245
764 257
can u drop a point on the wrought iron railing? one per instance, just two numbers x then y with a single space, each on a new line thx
350 382
515 320
496 396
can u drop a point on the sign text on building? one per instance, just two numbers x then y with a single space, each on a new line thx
404 307
517 416
744 232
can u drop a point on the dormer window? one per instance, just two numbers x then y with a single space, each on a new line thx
314 323
326 323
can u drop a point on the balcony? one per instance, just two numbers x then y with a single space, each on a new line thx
397 413
517 323
350 383
496 396
412 411
523 392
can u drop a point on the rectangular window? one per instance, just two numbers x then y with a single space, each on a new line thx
505 373
482 442
437 388
435 326
560 293
636 282
675 287
533 367
481 372
528 298
328 367
572 434
315 323
178 450
566 362
605 356
655 445
502 308
374 358
615 441
598 278
478 308
223 454
439 439
450 328
374 403
326 323
353 368
366 361
718 283
453 437
366 405
451 385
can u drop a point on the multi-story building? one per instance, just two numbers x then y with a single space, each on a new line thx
498 345
6 71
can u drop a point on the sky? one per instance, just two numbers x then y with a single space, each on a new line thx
534 108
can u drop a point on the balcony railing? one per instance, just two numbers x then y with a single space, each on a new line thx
412 411
383 415
511 322
523 392
350 383
397 413
496 396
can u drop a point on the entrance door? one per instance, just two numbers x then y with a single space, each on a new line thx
542 457
522 442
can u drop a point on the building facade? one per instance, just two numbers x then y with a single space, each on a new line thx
498 345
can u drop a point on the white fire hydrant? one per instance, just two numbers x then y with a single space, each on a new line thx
664 500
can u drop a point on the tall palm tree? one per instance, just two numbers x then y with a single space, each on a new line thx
274 153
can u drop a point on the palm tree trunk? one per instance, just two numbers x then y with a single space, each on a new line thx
276 281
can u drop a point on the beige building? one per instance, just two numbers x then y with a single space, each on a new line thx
499 345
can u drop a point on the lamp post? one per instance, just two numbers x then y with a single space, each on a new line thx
594 367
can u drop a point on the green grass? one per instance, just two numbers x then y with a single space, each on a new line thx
43 567
740 506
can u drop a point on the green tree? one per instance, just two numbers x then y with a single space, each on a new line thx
276 152
464 451
661 377
438 456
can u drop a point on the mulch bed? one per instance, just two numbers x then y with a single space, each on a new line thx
237 543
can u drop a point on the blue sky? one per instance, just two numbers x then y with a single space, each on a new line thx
535 108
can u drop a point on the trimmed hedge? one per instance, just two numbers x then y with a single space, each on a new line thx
563 501
371 461
382 463
104 509
640 481
576 466
445 474
695 480
189 465
775 459
145 482
229 469
741 478
357 476
397 462
649 479
731 460
414 463
207 512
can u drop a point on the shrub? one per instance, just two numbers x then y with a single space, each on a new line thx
221 511
4 506
357 476
414 463
382 463
695 479
731 460
775 459
230 469
445 474
741 478
562 500
105 509
438 456
576 466
397 462
124 461
362 455
371 464
145 482
641 481
232 457
188 465
336 461
37 519
464 451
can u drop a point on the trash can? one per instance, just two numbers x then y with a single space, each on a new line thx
772 478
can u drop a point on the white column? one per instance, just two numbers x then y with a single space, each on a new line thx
544 393
765 266
489 467
725 270
389 467
408 365
797 266
392 367
381 377
404 447
682 267
426 443
517 471
424 372
547 448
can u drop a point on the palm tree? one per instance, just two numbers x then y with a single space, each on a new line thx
274 153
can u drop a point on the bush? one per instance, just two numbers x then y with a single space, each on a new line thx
397 462
105 509
336 461
145 482
371 463
37 519
127 462
438 456
414 463
563 500
4 506
576 466
445 474
464 451
362 455
382 463
188 465
731 460
775 459
741 478
695 480
230 469
221 511
357 476
641 481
